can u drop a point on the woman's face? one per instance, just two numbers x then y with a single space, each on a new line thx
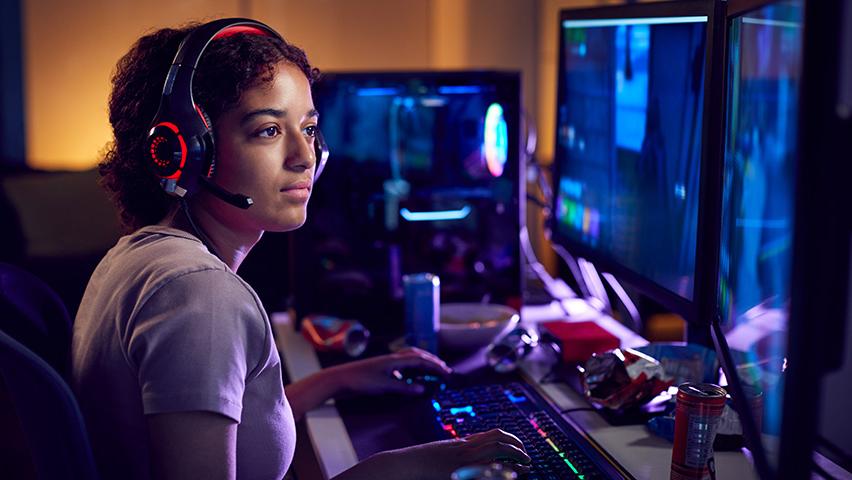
265 149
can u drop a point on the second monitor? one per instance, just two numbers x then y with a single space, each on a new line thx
631 124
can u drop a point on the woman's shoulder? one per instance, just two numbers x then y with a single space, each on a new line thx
153 256
159 247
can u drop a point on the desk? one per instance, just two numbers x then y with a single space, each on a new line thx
642 454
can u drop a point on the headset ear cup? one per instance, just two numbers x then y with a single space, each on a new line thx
167 150
209 144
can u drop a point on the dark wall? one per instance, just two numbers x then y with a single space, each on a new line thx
56 225
12 138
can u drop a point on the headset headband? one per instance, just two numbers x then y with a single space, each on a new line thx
189 52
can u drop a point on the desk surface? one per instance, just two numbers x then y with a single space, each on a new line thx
642 454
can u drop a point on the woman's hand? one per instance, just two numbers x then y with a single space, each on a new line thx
438 460
375 375
369 376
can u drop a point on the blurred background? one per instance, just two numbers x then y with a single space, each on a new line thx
56 59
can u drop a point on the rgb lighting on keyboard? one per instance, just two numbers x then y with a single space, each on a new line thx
461 412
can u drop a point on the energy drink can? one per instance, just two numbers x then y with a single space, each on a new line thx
422 310
697 413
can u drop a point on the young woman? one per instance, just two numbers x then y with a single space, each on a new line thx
174 362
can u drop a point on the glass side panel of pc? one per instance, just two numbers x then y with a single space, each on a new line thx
628 153
423 177
764 68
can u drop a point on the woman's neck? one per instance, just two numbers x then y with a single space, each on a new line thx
229 244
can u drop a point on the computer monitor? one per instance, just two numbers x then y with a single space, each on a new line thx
785 246
763 83
424 176
633 115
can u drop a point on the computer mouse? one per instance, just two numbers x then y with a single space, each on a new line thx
431 383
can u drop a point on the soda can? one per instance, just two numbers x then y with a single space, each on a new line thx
697 412
332 334
422 310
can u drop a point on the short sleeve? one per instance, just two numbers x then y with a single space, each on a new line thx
195 342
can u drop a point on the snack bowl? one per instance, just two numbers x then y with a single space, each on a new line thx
471 326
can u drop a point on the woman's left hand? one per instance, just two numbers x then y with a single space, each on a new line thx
375 375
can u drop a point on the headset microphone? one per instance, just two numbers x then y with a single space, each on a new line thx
180 143
235 199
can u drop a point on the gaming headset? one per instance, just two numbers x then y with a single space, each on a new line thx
180 142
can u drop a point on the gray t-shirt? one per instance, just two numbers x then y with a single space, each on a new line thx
165 326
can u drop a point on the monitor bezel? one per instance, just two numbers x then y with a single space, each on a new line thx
697 310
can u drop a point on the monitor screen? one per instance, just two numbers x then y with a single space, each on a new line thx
762 99
423 177
629 141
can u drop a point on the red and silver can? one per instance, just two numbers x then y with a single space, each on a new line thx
697 412
332 334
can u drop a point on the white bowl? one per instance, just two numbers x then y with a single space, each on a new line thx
471 326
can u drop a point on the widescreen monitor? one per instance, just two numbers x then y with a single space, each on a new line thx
424 176
631 123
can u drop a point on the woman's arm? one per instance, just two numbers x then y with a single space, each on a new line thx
369 376
192 445
313 391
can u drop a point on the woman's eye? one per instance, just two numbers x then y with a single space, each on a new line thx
311 130
269 132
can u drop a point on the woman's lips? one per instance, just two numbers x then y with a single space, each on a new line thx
298 190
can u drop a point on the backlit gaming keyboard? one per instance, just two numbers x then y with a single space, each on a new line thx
557 450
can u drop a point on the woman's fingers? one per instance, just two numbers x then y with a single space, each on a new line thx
501 452
498 435
426 355
420 359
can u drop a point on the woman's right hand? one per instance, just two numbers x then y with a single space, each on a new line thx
438 460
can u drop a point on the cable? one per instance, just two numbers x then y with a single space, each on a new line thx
539 270
574 267
198 231
578 409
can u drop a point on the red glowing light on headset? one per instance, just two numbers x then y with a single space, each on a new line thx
240 29
156 142
203 118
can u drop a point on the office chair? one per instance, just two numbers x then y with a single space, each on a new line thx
48 412
33 314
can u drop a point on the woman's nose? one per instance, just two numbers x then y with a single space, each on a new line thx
300 152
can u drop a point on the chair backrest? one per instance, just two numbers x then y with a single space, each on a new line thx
33 314
48 412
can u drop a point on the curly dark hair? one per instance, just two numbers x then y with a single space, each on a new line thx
228 67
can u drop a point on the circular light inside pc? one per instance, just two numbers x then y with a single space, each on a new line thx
495 145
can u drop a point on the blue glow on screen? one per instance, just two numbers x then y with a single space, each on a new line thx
629 129
631 84
435 216
460 90
764 69
618 22
376 92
